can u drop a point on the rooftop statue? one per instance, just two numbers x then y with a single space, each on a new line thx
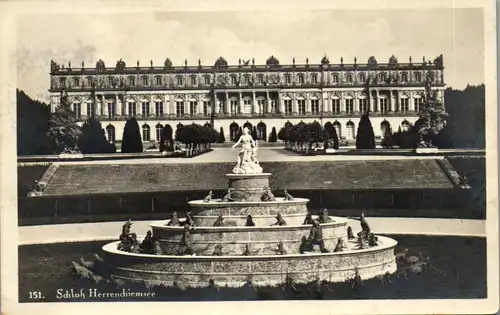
247 158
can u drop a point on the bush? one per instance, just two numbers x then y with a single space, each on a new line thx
273 136
132 142
93 139
365 138
221 138
387 141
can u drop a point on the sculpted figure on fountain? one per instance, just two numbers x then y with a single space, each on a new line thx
247 158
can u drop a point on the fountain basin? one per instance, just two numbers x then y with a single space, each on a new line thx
248 187
259 220
235 271
244 208
234 239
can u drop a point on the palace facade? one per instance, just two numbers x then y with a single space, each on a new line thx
246 94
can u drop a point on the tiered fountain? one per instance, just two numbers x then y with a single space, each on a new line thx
249 243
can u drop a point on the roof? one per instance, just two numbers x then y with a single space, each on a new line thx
337 175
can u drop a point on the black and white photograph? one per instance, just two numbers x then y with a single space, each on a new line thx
331 157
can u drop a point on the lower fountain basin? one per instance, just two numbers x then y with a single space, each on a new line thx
262 240
235 271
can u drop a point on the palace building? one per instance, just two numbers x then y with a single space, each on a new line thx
247 94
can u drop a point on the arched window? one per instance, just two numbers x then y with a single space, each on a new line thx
261 131
362 78
110 133
159 80
131 81
145 81
301 78
248 125
314 78
418 77
89 81
76 82
233 131
159 128
384 126
348 78
146 133
335 78
338 129
350 130
404 77
405 125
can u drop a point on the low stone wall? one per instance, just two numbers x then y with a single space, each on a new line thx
217 207
262 240
235 271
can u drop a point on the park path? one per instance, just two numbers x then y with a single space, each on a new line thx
103 231
266 154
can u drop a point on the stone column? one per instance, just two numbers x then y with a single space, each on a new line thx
391 102
200 106
152 106
240 103
411 103
308 103
295 105
254 104
281 103
173 110
356 103
267 108
324 103
343 107
215 104
118 105
187 109
378 100
227 105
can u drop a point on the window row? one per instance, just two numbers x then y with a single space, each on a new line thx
194 80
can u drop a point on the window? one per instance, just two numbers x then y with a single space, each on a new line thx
382 77
110 133
336 106
110 81
159 80
111 110
62 82
261 131
159 128
207 80
77 109
145 81
234 107
89 109
384 106
76 82
192 107
301 79
207 108
362 78
315 106
179 80
260 104
363 105
132 109
89 81
247 104
302 106
314 78
418 102
288 107
385 125
338 129
233 80
335 78
348 78
245 79
349 106
288 79
145 108
260 79
233 131
179 106
146 133
159 108
131 81
193 80
404 105
418 77
404 77
405 125
350 130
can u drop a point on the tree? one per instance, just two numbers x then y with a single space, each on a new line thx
93 138
222 138
166 139
32 126
365 138
63 127
387 142
432 116
333 139
284 134
131 140
254 133
273 137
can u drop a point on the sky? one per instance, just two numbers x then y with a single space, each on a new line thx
458 34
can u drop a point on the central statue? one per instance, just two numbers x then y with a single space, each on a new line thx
247 158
